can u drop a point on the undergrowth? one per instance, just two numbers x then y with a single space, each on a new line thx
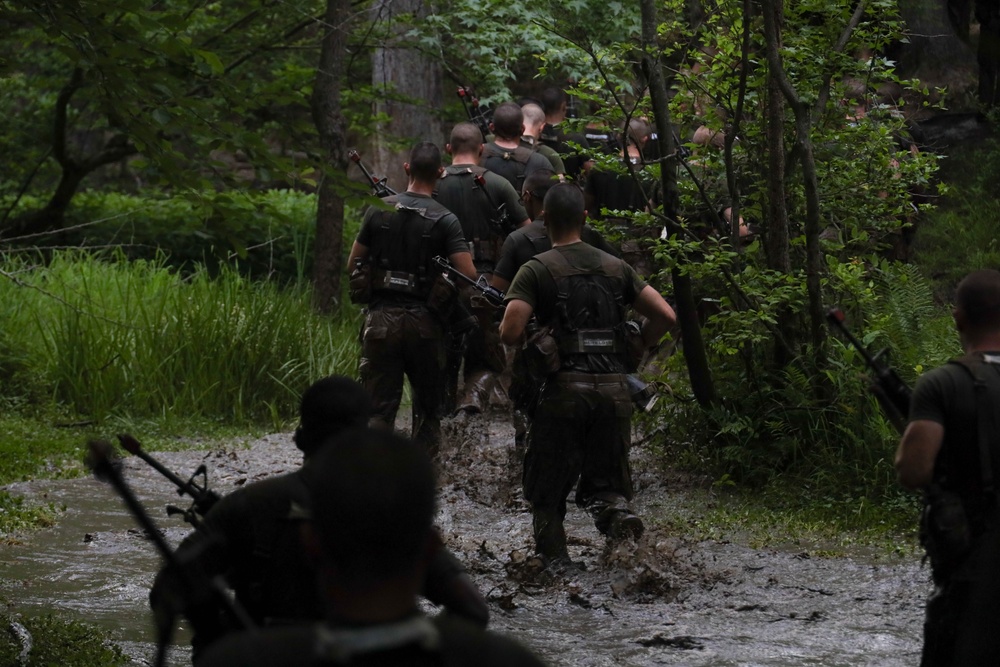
56 640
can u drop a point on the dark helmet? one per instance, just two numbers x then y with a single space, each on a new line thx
329 406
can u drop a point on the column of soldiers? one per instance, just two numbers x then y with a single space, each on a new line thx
335 555
566 314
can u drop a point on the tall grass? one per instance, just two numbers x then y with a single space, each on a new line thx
109 338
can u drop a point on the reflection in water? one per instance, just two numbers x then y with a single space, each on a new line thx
661 602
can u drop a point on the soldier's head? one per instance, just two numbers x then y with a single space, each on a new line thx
535 187
977 304
564 211
466 139
508 121
425 163
371 500
637 133
554 102
534 119
329 406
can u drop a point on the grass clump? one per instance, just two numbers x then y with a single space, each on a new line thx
106 338
56 640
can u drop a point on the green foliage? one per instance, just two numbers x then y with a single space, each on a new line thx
136 338
961 234
58 640
817 425
266 234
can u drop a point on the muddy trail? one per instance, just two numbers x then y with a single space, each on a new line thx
658 601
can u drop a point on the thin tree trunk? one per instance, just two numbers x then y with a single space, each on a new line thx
776 236
332 127
699 372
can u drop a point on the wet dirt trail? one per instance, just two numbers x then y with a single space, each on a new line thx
658 601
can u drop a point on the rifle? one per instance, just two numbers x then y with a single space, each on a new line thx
643 394
492 294
474 111
379 186
500 220
202 497
199 590
892 393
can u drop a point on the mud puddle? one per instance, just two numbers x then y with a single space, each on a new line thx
660 601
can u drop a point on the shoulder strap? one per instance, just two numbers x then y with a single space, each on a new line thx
975 365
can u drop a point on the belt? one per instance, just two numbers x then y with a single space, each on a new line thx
596 379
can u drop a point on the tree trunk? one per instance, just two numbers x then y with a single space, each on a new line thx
776 236
410 83
699 372
935 50
332 128
773 20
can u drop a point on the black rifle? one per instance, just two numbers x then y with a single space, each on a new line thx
492 294
202 497
199 591
380 187
500 221
474 111
892 393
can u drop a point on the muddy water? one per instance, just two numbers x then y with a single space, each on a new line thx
660 601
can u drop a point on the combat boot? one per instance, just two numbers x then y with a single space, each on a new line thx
625 525
550 535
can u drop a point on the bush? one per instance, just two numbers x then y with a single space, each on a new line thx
264 234
55 640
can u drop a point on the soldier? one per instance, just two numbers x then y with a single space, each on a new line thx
371 502
950 451
631 191
534 123
519 247
555 135
582 425
251 537
477 211
505 155
405 326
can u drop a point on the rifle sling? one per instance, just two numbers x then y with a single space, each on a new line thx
984 414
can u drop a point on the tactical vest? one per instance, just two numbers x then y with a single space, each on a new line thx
473 212
402 251
588 320
509 163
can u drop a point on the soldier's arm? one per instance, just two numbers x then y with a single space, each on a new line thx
358 251
463 262
515 319
917 451
657 311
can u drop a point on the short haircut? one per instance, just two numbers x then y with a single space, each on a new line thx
329 406
521 101
978 297
638 132
465 138
533 114
552 100
539 182
508 121
564 207
425 162
371 500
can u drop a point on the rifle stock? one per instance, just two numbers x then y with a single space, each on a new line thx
892 393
